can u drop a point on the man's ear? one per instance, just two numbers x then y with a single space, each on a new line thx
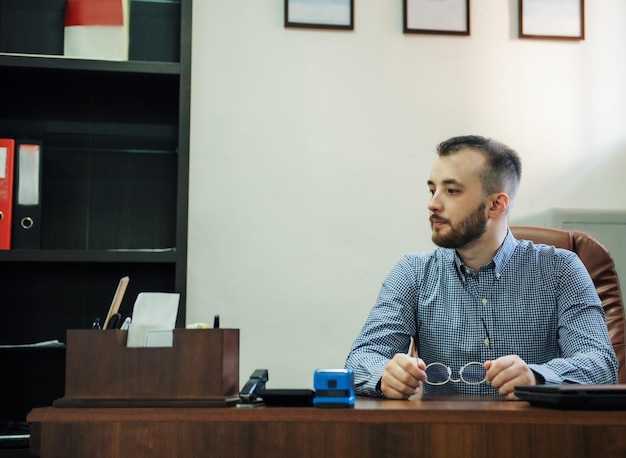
499 204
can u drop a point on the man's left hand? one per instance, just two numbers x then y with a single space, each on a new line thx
507 372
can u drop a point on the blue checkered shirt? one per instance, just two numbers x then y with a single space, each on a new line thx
535 301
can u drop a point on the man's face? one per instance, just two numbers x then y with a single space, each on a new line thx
457 207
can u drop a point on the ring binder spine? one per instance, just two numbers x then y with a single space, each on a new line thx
7 153
26 233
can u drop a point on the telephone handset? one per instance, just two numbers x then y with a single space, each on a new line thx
249 394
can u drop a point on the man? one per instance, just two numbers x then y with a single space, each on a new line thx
488 312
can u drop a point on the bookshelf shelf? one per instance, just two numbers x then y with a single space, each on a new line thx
40 61
165 256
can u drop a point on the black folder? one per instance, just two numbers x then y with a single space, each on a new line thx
154 30
582 397
26 233
32 26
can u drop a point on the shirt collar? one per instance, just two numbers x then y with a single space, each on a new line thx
500 260
504 253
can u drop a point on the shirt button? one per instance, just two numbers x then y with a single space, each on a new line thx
486 342
484 301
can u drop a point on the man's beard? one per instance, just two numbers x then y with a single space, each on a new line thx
468 230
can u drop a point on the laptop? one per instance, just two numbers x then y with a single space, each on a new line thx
583 397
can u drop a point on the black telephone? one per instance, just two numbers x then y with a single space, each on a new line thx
249 394
254 393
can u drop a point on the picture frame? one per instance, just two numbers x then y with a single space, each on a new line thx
552 19
442 17
320 14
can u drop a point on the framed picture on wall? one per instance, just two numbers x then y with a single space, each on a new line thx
320 14
445 17
562 19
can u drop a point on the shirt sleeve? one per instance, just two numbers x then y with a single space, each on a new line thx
587 356
387 330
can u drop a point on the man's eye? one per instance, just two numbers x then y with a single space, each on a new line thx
431 192
452 191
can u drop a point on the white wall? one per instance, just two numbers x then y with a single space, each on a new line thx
310 151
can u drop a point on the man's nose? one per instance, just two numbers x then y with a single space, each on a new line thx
434 203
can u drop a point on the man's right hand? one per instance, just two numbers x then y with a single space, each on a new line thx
403 377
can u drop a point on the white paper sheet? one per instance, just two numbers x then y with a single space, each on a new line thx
152 311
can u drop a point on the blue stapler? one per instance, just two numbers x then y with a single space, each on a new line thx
333 388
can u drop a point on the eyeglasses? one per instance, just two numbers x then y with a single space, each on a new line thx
472 374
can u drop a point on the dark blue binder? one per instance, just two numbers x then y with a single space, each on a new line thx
32 26
26 233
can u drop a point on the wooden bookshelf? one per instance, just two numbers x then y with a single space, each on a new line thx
115 179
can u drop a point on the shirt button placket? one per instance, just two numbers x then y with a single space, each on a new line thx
485 302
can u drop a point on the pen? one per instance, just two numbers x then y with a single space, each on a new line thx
412 348
126 324
115 321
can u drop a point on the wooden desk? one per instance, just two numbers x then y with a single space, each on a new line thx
374 428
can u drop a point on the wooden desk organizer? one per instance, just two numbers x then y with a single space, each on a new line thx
200 369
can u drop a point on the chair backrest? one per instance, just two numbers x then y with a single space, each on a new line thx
601 268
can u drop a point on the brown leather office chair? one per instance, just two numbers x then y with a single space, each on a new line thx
601 267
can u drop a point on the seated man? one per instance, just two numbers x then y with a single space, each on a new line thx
487 312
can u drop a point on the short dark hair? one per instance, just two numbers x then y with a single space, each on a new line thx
503 171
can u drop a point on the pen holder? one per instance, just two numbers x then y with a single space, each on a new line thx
200 369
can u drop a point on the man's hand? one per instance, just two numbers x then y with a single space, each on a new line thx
507 372
403 377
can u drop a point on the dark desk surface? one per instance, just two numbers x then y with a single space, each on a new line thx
374 428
